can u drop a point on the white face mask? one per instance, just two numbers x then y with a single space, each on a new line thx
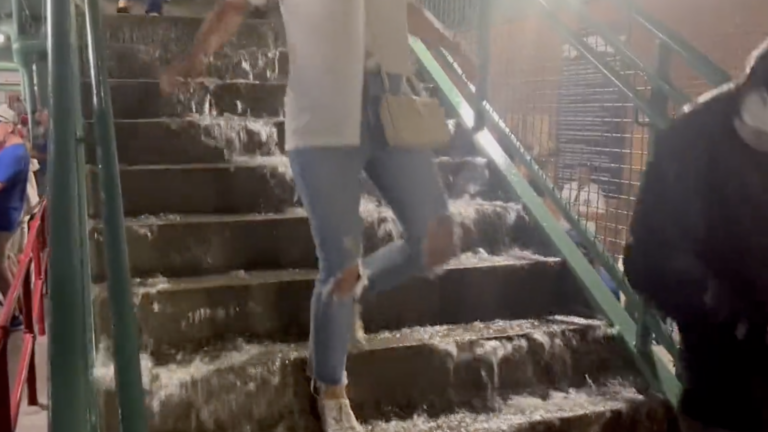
752 123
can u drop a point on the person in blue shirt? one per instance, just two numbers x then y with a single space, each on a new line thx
14 170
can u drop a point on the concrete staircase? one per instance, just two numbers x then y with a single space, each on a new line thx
224 261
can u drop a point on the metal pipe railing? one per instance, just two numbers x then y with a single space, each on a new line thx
676 95
27 286
659 119
695 58
127 365
652 366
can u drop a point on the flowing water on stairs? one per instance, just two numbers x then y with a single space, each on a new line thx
224 262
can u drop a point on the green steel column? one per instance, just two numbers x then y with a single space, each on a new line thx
41 83
130 391
484 63
658 98
69 404
30 98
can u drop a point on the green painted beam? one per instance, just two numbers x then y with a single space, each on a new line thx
130 391
676 95
696 59
656 370
512 145
575 40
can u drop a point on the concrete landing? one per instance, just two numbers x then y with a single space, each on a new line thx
32 419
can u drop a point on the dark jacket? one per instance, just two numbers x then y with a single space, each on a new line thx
700 226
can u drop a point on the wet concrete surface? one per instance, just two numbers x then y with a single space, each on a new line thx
433 371
257 185
255 63
194 245
197 140
223 337
613 408
188 314
175 34
32 418
138 100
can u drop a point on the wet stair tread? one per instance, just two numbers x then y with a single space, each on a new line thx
232 354
291 213
431 370
159 284
194 244
142 99
615 407
260 184
187 314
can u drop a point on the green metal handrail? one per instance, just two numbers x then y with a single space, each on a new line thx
515 149
660 119
651 364
677 96
697 60
73 406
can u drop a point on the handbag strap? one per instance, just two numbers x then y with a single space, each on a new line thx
415 84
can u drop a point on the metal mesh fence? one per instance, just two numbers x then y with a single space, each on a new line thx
581 128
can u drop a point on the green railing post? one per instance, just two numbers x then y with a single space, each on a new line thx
484 62
126 352
658 98
652 366
69 403
28 85
41 82
84 243
697 60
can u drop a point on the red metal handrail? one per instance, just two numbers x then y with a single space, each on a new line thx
29 282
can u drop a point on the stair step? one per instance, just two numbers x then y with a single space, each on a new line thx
256 63
194 245
196 140
187 314
424 370
141 99
260 185
206 139
175 34
610 408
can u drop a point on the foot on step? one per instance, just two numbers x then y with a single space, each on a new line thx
337 416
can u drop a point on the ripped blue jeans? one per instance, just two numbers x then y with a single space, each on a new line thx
329 182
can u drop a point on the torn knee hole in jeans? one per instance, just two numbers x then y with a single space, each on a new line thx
349 283
441 243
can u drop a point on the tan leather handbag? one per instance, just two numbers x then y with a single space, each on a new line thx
413 122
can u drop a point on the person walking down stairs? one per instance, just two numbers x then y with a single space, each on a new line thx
342 54
153 7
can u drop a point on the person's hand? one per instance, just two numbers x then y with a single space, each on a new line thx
189 67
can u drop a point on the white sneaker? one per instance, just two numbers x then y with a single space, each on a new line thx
337 416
